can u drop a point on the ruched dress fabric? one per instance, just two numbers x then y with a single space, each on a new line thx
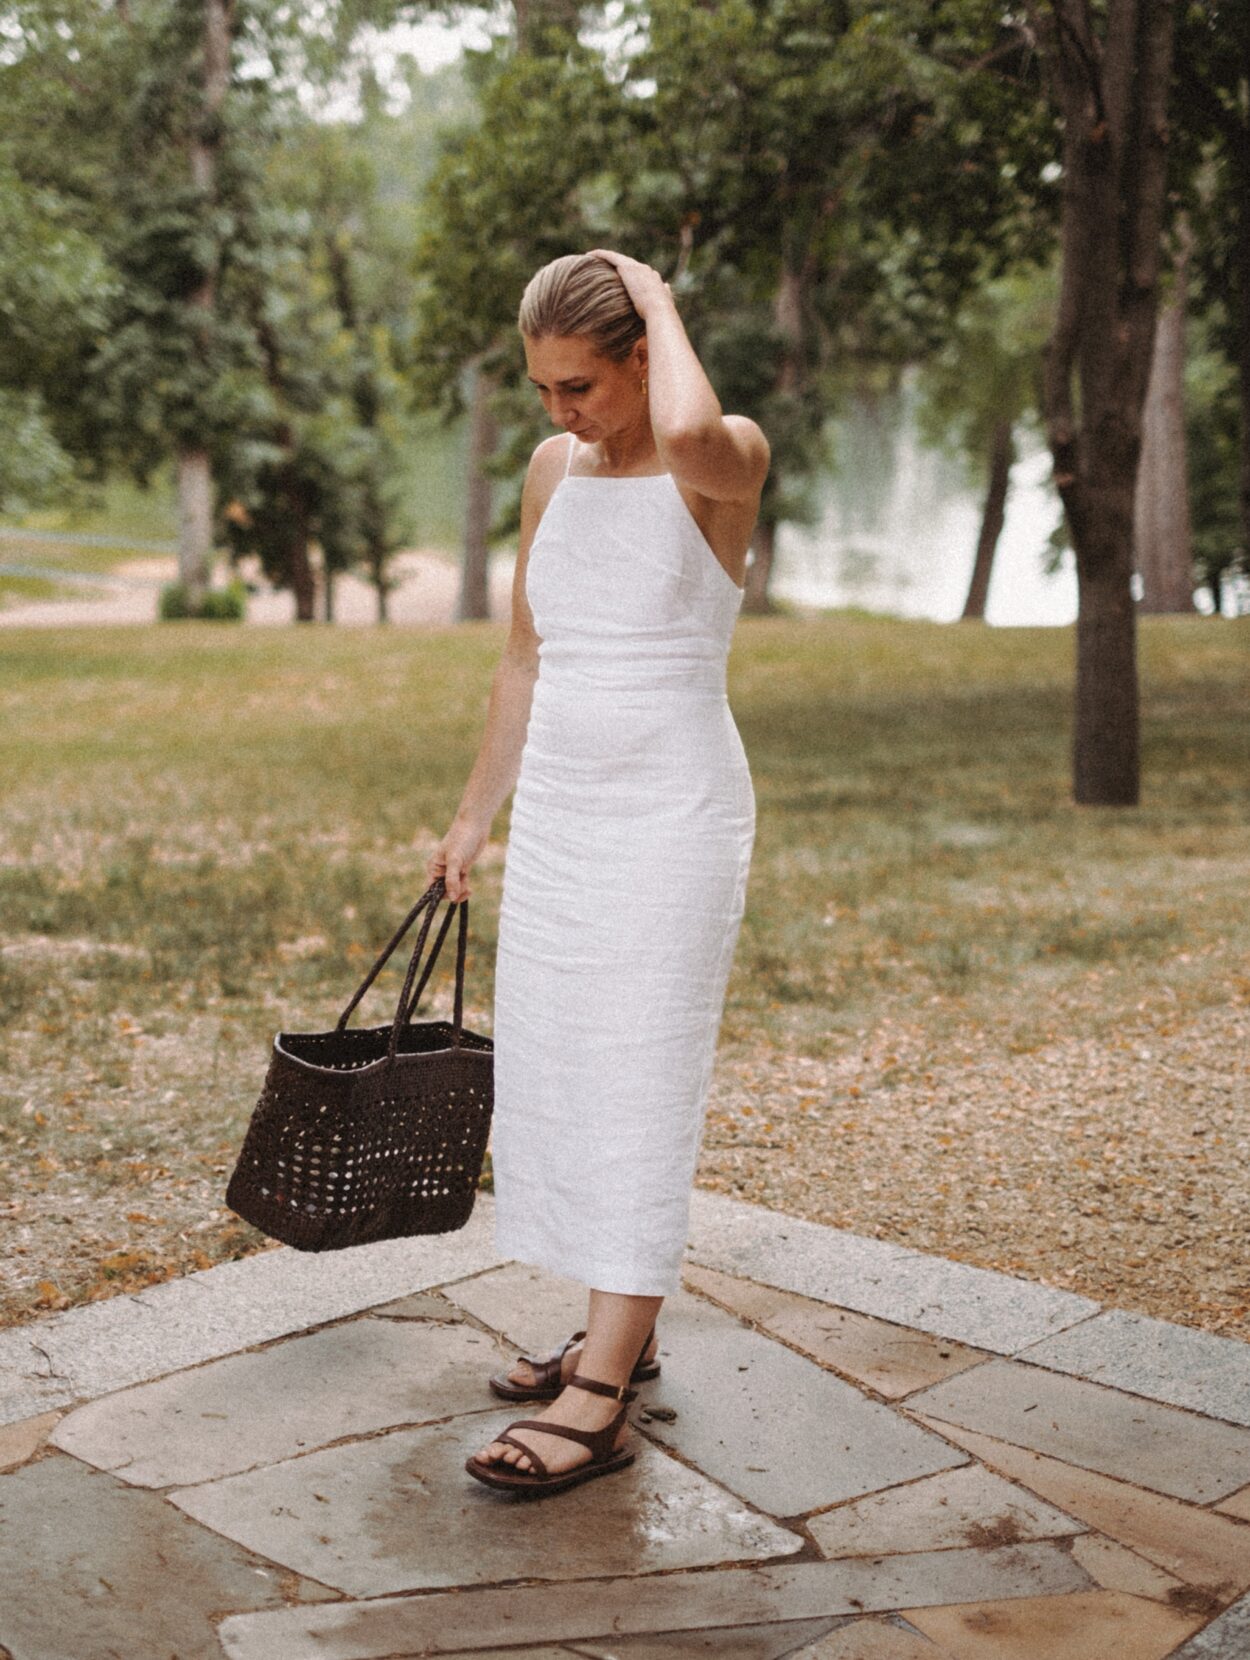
625 876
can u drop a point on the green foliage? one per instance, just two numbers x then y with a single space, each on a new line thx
988 368
228 604
54 287
33 466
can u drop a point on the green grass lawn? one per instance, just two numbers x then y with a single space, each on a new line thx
207 832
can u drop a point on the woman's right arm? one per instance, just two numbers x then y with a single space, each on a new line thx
498 761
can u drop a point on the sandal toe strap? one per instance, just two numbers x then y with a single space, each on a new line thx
599 1441
529 1452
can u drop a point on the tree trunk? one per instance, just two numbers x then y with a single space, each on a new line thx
1105 760
755 595
195 522
327 593
195 485
474 603
303 577
1002 454
1107 68
1163 539
379 575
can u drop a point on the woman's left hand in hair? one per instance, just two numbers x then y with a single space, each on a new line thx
643 283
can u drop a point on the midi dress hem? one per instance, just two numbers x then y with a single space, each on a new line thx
619 1278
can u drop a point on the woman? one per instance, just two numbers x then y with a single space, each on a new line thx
632 827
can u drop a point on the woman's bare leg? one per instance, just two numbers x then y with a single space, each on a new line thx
523 1372
615 1327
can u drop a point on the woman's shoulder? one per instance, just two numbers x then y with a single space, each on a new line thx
550 453
545 470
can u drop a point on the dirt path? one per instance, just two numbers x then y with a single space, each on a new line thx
426 596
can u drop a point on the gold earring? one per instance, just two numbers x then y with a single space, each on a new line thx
643 384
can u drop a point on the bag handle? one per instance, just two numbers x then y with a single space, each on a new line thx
408 1005
428 902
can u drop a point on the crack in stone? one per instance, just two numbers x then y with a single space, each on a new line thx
51 1375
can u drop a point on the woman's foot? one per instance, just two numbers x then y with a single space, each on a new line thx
577 1408
523 1373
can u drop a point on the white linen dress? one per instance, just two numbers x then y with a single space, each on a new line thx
633 822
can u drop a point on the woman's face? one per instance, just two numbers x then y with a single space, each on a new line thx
583 391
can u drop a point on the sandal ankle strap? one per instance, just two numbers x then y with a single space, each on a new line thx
618 1392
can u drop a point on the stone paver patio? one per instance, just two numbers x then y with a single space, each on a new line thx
854 1452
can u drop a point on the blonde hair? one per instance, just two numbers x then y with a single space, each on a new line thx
581 294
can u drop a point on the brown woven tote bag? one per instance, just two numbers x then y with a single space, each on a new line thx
372 1132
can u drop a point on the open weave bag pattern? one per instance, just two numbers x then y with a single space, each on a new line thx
372 1132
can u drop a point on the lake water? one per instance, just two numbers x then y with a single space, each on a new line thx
898 526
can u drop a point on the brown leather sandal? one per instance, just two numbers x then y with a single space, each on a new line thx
547 1381
603 1457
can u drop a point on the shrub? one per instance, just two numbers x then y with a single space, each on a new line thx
226 604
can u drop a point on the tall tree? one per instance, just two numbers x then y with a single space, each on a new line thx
1108 67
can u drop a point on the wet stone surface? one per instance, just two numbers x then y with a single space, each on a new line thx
399 1512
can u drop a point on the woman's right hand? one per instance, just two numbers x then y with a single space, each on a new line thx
454 855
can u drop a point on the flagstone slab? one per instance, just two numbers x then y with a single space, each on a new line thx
127 1339
1081 1627
81 1556
1101 1429
888 1359
1116 1568
756 1642
873 1640
1226 1638
399 1512
962 1507
976 1306
273 1403
1155 1358
450 1622
769 1424
1237 1505
21 1441
773 1426
1201 1548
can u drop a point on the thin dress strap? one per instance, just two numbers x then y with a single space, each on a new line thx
572 446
